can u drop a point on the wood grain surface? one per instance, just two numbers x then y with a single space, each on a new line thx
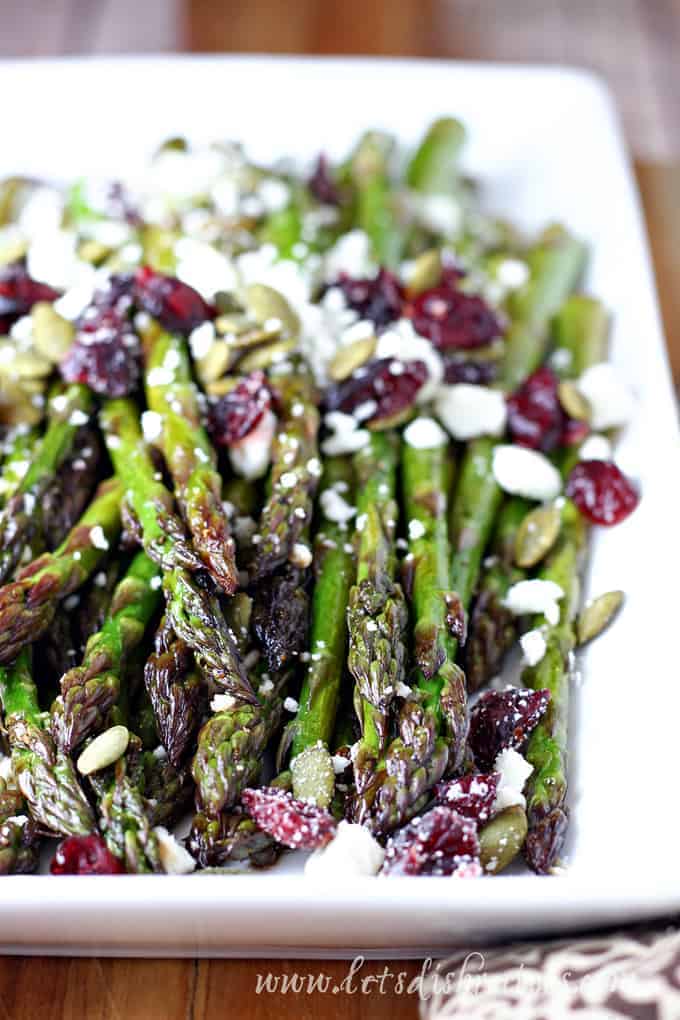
634 45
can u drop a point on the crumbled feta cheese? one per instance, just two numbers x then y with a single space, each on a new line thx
535 596
611 403
469 411
201 339
347 436
416 530
442 214
156 582
203 267
596 447
274 194
21 330
160 376
53 259
78 417
512 273
424 434
42 211
174 858
251 455
5 767
301 555
350 254
363 329
560 359
402 690
524 472
335 508
339 763
98 538
352 853
291 705
222 702
314 467
152 425
266 687
402 342
288 480
533 646
514 770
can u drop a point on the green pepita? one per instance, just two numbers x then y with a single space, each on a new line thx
267 307
501 839
350 357
215 363
597 615
537 535
313 775
52 334
264 356
426 272
94 252
573 401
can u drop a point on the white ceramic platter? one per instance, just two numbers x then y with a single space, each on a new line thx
546 145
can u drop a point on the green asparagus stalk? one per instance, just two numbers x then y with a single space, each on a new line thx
375 213
294 476
169 791
18 448
44 775
72 487
174 689
28 605
124 813
434 166
21 518
89 691
230 837
190 456
377 613
19 838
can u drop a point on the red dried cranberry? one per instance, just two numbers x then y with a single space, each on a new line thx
177 306
535 415
390 384
238 412
602 492
451 319
437 843
293 823
472 796
321 183
504 719
458 369
85 855
19 292
379 299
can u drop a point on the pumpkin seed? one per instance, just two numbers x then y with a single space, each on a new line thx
215 363
350 357
573 401
537 535
12 248
426 272
94 252
104 750
313 776
28 365
267 306
393 421
263 357
597 615
501 839
52 334
16 406
226 303
233 322
219 387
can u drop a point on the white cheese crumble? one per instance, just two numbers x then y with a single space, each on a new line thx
5 767
350 254
512 273
535 596
514 770
339 763
347 437
301 555
596 447
201 339
442 214
251 455
98 538
222 702
424 434
203 267
352 853
291 705
468 411
78 417
560 359
156 582
335 508
527 473
611 402
266 687
533 645
402 342
416 530
274 194
160 376
402 690
174 858
152 425
288 480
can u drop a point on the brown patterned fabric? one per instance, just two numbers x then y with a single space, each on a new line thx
627 975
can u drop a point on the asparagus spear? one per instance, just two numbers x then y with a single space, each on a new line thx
45 776
377 613
434 166
375 213
91 689
72 487
19 448
335 569
21 517
28 605
124 814
190 456
230 837
18 834
294 476
192 609
174 689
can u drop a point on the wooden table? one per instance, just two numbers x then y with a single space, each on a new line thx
634 44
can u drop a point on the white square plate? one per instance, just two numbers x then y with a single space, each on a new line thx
546 145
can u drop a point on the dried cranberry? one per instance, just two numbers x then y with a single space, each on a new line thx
472 796
602 492
19 292
379 299
451 319
504 719
388 383
321 183
535 415
85 855
177 306
437 843
238 412
459 369
297 824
